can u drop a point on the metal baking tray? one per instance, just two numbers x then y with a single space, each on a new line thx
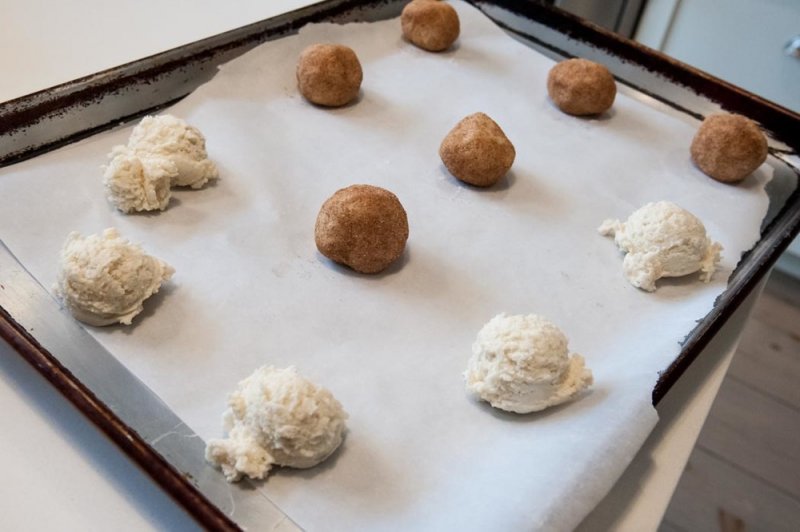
132 415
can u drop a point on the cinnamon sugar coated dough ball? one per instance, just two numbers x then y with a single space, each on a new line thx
329 74
581 87
430 25
729 147
362 226
476 151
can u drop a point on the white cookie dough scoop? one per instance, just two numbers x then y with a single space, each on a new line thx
662 240
521 364
276 417
104 279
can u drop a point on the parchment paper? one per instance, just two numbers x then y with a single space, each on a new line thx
251 289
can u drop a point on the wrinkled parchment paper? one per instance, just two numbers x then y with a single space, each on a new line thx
251 289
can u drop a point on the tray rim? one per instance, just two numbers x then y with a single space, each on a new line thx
783 123
126 438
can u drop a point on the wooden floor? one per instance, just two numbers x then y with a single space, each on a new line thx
744 472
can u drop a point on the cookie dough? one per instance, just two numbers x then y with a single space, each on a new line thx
521 364
329 74
729 147
168 137
104 279
137 183
476 151
276 417
581 87
662 240
430 25
362 226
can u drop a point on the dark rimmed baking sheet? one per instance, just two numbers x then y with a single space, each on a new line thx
769 254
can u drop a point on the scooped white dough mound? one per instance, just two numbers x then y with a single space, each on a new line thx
104 279
171 138
522 364
276 416
662 240
137 182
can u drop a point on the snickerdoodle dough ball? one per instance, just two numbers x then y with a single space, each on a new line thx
729 147
581 87
476 151
362 226
329 74
430 25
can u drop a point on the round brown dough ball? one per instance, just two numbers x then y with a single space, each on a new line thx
362 226
329 74
431 25
477 151
581 87
729 147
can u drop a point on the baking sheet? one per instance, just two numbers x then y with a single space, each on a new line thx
251 289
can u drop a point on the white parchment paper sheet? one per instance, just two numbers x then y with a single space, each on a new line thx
251 289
